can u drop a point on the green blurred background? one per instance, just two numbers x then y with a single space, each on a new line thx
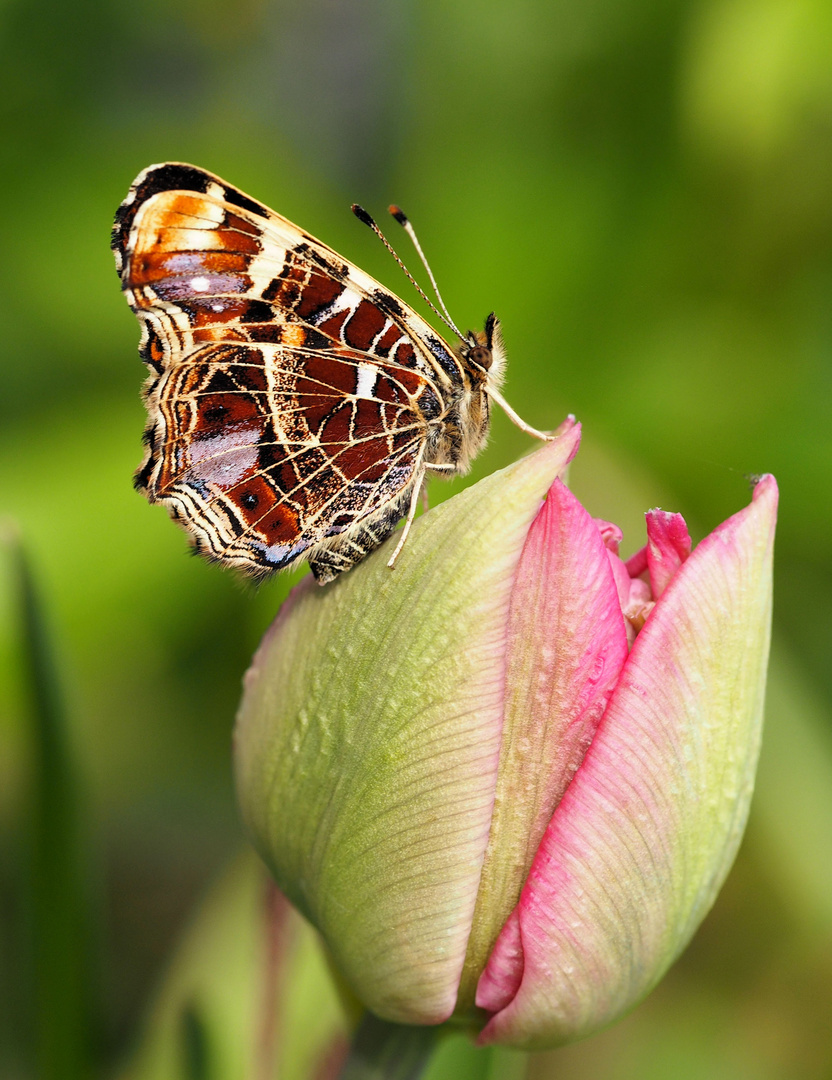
642 190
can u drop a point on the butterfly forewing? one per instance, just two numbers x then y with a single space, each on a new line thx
290 395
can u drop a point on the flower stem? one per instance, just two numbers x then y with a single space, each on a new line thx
384 1051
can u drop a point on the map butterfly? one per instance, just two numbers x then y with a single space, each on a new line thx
295 405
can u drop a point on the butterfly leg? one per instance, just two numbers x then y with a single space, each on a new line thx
498 399
431 467
411 514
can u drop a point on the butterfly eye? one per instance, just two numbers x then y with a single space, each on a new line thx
481 356
249 500
214 414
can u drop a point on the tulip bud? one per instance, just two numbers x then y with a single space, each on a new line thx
507 779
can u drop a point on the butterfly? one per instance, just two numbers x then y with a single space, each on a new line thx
295 405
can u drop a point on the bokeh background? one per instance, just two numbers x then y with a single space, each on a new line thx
642 190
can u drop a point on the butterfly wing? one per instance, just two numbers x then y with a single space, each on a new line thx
290 394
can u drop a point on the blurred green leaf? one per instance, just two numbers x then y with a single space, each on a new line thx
57 890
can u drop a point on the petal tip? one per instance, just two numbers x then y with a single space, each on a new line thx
765 486
571 429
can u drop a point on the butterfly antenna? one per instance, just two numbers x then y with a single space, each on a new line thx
364 217
404 221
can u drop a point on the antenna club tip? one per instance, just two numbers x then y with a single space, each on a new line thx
363 216
398 214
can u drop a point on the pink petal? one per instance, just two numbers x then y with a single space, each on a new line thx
668 545
644 837
610 534
637 563
612 537
499 982
623 581
567 645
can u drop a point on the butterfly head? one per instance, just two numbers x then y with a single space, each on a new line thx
481 357
483 354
